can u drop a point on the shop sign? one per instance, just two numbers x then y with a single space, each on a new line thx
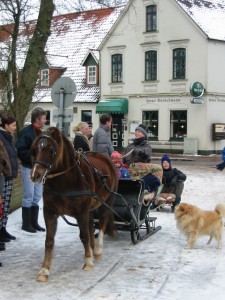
197 89
197 101
218 131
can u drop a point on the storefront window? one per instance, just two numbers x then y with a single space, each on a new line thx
151 119
178 124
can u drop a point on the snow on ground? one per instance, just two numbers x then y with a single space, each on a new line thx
158 268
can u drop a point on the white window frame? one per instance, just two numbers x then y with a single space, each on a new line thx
91 74
45 77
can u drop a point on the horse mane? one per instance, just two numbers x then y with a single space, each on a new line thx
62 143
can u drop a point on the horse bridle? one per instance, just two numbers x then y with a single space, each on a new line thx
47 166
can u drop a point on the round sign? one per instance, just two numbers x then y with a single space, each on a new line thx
196 89
68 87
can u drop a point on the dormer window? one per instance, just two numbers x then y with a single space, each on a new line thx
91 75
91 63
45 77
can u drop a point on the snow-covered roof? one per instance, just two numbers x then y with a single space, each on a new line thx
208 15
72 37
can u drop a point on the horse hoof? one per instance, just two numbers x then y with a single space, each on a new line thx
88 267
98 256
42 278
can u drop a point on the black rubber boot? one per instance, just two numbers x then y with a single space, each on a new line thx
176 202
3 232
34 218
2 246
26 216
3 238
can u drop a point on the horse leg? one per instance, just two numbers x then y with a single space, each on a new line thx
105 226
51 226
91 230
83 222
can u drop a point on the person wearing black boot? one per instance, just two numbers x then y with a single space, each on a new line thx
7 129
2 248
173 180
34 218
32 191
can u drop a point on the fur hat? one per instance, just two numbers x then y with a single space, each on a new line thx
143 129
165 158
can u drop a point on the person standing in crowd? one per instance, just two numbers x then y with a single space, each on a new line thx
7 129
221 166
5 170
173 180
141 148
101 139
80 141
32 191
90 135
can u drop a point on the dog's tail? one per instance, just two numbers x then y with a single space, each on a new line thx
220 209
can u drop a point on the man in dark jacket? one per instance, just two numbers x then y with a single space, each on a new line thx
32 191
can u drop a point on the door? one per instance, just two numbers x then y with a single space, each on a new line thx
117 132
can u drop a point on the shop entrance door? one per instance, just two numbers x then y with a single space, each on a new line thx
117 132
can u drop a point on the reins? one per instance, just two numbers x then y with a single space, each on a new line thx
80 155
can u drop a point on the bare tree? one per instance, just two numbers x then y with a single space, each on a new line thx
82 5
25 42
22 47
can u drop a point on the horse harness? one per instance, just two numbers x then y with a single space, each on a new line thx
95 172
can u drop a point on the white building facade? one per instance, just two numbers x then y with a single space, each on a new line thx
156 51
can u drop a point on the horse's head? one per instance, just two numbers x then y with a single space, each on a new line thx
47 153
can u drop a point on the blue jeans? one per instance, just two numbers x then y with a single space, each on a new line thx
32 192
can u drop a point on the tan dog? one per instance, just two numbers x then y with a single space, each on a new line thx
193 222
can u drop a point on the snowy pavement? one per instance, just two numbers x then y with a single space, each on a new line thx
158 268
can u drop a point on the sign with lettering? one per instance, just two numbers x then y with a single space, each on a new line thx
197 89
218 131
197 101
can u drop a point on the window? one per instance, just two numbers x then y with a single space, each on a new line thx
91 75
151 18
151 119
48 117
117 68
86 115
178 124
151 65
179 63
45 77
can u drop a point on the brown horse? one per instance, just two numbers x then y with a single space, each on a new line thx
74 184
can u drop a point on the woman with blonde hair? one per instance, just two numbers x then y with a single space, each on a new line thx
80 141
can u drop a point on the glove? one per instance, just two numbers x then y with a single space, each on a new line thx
221 166
142 154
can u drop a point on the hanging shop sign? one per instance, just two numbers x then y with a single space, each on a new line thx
197 89
197 101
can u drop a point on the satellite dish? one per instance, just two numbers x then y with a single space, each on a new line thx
68 86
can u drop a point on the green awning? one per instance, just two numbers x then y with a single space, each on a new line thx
114 106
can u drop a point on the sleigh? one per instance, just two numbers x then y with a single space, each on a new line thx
131 212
